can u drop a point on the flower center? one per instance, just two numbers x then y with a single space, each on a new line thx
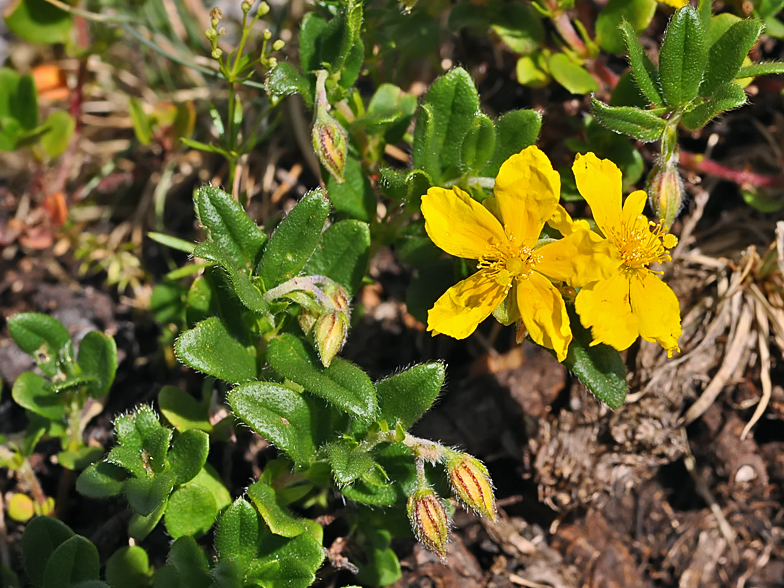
641 244
509 263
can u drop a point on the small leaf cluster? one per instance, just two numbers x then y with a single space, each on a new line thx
158 477
64 397
19 119
700 74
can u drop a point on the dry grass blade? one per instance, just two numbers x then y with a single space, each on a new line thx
729 365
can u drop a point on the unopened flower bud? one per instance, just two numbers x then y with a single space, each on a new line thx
216 14
329 138
429 520
330 333
665 192
263 9
471 483
278 45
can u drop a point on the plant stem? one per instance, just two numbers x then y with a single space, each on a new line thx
699 163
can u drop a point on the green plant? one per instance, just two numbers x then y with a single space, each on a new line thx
702 67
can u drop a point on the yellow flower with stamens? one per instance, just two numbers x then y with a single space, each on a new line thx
510 262
633 301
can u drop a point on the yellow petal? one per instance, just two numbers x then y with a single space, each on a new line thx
458 224
527 189
656 308
561 221
466 304
599 182
604 308
578 259
544 314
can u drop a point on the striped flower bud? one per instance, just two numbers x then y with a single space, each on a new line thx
329 138
665 192
471 483
429 520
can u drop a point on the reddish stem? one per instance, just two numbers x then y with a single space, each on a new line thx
699 163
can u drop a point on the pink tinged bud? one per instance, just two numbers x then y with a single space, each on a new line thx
471 484
329 137
665 191
429 520
330 332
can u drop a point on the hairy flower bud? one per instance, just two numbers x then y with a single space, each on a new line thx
429 520
471 483
665 192
329 138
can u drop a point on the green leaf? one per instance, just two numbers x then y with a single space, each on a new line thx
226 224
35 393
518 27
406 396
762 68
190 562
311 29
728 96
284 80
191 511
478 144
634 14
294 241
188 454
41 537
277 516
74 561
101 480
342 383
514 131
342 254
98 358
278 414
727 55
37 21
645 73
571 75
43 337
237 534
243 287
129 567
182 410
627 120
140 526
348 461
58 128
389 484
209 348
449 109
683 57
599 367
354 197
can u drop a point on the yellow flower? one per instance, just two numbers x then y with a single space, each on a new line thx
633 300
510 263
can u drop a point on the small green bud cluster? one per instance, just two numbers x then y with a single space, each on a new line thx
212 34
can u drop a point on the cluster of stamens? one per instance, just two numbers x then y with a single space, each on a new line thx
641 245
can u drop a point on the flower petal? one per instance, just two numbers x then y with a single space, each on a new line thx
604 308
544 314
656 308
527 189
578 259
466 304
599 182
460 225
